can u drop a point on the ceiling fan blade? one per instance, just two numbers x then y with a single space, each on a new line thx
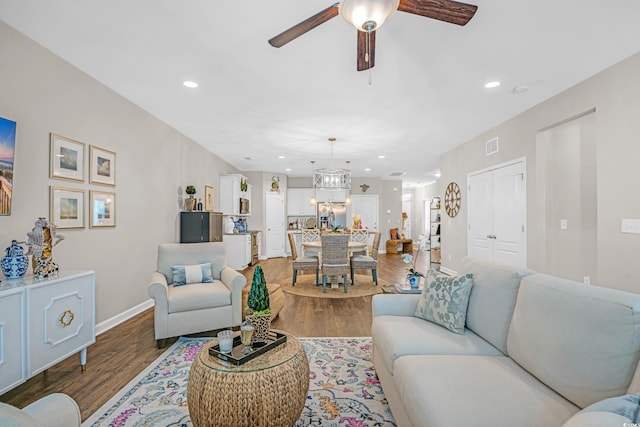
306 25
442 10
366 50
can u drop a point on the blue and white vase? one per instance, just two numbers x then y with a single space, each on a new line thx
414 282
15 262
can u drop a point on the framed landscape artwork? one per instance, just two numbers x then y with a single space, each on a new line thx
103 166
67 158
208 198
7 150
67 207
103 209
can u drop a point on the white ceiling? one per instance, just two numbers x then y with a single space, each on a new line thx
256 102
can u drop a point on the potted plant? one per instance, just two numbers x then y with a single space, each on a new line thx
190 202
258 310
335 229
413 275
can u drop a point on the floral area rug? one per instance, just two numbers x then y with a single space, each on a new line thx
344 390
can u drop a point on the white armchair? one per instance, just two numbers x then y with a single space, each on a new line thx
195 307
53 410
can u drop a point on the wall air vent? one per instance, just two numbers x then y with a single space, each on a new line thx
397 173
491 146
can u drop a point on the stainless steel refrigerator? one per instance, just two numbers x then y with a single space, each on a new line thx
331 214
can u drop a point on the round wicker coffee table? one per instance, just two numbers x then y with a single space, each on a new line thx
269 390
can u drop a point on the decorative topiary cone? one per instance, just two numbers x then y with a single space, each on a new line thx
258 306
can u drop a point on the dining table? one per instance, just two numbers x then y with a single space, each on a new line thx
316 247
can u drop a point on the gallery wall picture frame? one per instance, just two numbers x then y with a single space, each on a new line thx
67 158
102 168
102 209
67 207
208 198
7 160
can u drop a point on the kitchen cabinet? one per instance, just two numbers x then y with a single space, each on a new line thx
231 191
331 195
196 227
42 322
298 202
238 250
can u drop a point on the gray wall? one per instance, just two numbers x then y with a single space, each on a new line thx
615 94
45 94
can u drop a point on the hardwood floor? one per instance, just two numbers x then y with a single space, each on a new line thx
120 353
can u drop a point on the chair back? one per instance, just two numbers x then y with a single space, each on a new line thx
373 252
310 235
170 254
292 243
360 235
335 250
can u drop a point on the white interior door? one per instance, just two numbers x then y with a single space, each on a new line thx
274 220
509 215
497 215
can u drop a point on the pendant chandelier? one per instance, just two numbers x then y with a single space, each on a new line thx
332 178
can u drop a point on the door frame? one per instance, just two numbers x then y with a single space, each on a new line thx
283 252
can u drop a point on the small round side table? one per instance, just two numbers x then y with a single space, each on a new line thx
269 390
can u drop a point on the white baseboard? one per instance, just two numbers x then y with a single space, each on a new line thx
448 271
125 315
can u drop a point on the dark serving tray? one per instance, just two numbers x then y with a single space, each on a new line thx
237 357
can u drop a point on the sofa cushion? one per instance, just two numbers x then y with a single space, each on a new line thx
13 417
582 341
463 391
627 406
444 300
597 419
188 274
396 336
495 288
198 296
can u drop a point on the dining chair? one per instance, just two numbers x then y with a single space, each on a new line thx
360 235
301 263
335 258
310 235
367 262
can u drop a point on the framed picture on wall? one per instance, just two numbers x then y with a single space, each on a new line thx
67 207
67 158
208 198
102 166
102 209
7 150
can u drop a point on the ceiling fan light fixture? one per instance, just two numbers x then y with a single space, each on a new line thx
367 15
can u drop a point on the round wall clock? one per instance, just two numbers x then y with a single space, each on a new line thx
452 199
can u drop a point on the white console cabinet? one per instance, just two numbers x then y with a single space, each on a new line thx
42 322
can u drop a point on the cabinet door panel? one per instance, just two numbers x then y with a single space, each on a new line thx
12 370
61 320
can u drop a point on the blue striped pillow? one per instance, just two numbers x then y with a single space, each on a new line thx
187 274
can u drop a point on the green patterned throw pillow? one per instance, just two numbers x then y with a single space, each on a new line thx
444 300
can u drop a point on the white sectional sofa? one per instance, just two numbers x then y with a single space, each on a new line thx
536 351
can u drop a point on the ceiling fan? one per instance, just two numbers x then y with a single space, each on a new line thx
369 15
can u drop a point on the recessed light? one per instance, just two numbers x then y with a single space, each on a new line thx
281 157
491 85
381 156
367 169
287 170
436 174
190 84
